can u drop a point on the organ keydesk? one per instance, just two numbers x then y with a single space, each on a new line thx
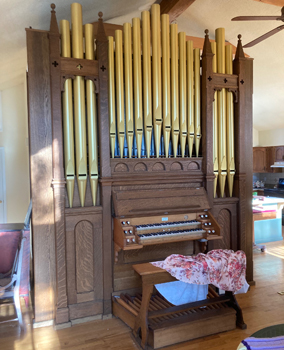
184 216
109 155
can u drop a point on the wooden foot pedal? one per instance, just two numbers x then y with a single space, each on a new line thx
167 326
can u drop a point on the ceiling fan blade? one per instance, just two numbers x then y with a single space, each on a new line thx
264 36
257 18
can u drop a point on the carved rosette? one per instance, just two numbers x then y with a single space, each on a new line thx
148 166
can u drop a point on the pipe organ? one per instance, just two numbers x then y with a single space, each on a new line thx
137 129
170 107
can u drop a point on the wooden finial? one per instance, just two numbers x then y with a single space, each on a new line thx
207 46
53 22
101 35
239 51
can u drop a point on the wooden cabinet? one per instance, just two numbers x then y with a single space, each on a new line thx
260 160
278 153
264 157
275 154
260 192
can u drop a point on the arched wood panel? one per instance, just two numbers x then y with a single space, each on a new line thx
84 245
225 211
225 222
84 262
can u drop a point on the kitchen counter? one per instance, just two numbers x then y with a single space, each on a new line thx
268 203
267 217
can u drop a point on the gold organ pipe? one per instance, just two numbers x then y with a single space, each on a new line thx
92 117
230 123
67 105
128 86
166 81
190 95
174 86
221 101
215 124
137 83
79 103
197 117
156 64
119 90
146 51
112 120
182 92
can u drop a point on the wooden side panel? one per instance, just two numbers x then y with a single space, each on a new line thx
244 154
84 244
207 90
40 132
105 169
248 166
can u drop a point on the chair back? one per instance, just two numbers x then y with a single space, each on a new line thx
9 243
28 217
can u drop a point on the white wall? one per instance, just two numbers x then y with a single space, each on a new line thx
14 138
255 138
273 137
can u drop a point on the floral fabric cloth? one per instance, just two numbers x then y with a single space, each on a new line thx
224 269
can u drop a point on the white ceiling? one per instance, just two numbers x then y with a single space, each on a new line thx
16 15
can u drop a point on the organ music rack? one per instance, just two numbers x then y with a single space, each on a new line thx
75 276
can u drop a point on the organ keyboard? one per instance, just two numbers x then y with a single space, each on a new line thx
135 232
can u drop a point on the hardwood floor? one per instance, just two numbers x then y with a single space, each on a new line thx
262 306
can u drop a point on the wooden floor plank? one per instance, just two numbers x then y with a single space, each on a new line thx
262 307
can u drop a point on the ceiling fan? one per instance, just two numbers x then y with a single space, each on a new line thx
262 18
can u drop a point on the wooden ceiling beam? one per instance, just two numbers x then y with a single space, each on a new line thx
174 8
272 2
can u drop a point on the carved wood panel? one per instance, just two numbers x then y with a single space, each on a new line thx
84 261
225 211
125 167
84 257
224 220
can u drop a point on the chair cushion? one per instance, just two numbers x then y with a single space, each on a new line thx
9 241
5 281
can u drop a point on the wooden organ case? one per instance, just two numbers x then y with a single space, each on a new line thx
144 165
